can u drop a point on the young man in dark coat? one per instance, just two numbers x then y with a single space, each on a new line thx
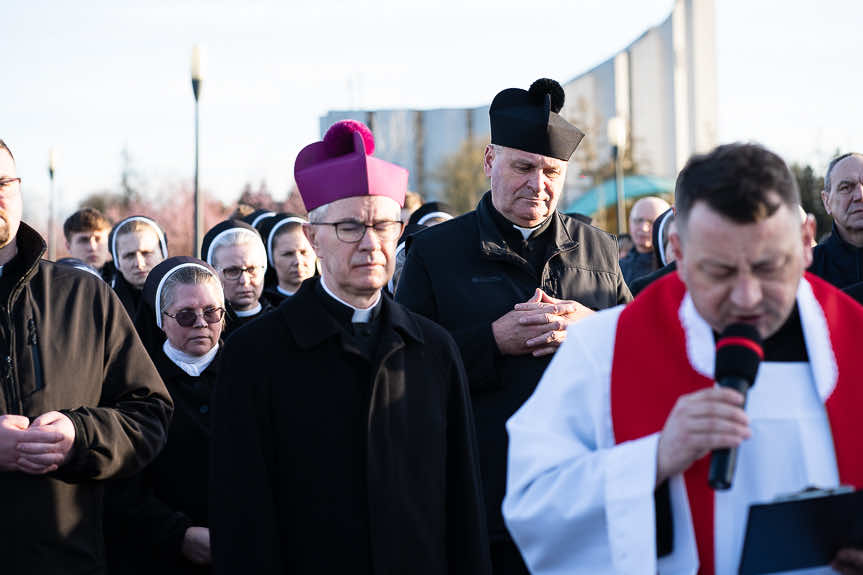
507 278
80 401
360 457
86 233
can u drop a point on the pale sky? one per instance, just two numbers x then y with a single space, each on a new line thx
91 78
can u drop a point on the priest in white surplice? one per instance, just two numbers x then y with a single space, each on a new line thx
628 404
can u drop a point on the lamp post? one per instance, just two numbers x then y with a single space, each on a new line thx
197 80
617 138
52 165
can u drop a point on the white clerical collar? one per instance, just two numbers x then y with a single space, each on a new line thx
360 315
525 232
194 365
249 312
285 292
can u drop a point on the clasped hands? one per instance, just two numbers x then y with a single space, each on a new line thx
537 326
36 448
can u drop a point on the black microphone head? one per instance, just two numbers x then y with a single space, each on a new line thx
738 353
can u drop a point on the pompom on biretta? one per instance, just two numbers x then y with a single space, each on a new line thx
339 139
544 86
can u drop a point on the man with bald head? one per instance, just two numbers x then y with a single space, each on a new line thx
640 261
839 259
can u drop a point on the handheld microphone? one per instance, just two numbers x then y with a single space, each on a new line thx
738 355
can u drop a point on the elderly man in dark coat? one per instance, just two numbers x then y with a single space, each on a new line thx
80 401
507 278
839 258
343 434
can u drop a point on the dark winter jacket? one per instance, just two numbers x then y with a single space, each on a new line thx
341 450
464 275
69 346
639 284
635 265
837 261
855 291
147 515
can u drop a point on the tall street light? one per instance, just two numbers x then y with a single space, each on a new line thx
52 165
617 139
197 80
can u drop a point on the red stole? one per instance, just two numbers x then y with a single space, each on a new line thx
650 370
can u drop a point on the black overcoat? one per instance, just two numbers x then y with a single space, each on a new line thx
464 276
837 261
329 461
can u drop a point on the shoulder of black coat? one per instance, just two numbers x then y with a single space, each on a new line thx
65 280
445 234
434 335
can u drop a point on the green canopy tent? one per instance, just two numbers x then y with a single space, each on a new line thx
605 196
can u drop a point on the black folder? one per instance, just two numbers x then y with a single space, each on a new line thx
802 531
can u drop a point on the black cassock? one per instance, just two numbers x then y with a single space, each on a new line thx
343 449
146 516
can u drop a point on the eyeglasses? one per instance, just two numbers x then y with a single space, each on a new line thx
188 317
352 232
8 181
234 273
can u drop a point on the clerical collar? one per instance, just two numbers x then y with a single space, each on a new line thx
193 365
284 292
249 312
360 315
511 231
526 232
787 344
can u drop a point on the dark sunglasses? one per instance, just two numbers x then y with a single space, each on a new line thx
187 317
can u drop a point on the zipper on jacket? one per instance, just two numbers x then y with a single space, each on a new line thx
9 386
33 341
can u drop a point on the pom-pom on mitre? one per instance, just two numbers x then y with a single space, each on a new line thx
544 86
339 139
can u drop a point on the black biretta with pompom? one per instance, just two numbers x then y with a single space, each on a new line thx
530 120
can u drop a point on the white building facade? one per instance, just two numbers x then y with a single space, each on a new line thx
663 85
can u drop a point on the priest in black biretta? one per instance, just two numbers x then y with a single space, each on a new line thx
530 120
468 274
343 432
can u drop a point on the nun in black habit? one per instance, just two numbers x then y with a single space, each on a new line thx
235 249
290 256
157 521
140 263
343 435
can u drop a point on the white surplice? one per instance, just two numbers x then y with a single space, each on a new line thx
578 503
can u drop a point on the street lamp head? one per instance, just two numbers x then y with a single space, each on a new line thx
617 132
52 162
197 69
